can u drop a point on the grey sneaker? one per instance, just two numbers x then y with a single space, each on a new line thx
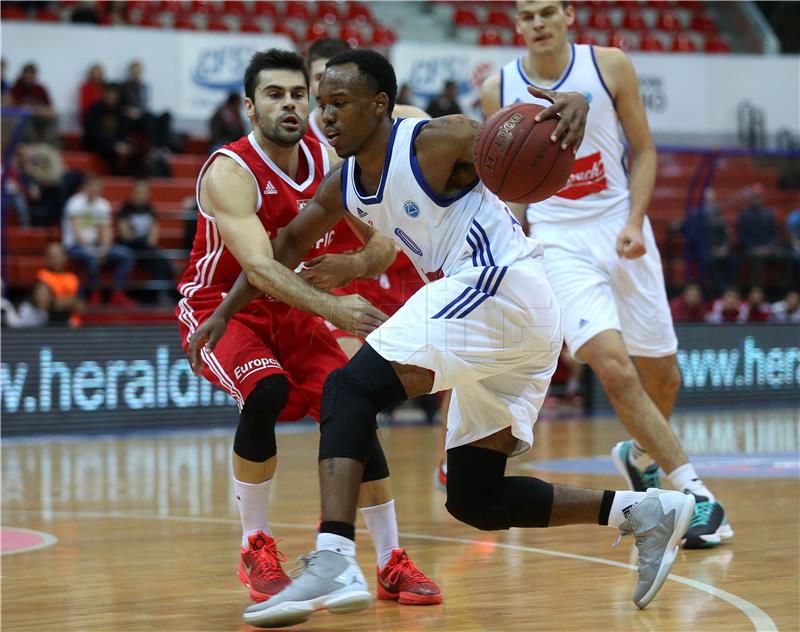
658 523
638 480
328 580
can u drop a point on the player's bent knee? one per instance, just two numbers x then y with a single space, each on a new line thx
351 399
255 435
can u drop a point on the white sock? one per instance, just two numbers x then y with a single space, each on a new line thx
685 479
621 507
252 500
638 457
336 543
382 526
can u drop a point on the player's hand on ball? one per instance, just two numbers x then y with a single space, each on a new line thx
571 109
329 271
630 242
205 337
356 315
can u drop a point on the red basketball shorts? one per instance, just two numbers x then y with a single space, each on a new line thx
266 339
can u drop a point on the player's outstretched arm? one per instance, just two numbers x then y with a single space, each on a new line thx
229 192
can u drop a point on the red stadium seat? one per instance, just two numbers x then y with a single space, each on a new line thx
234 7
352 36
668 21
716 44
185 23
358 13
217 25
586 38
265 10
491 37
465 17
13 13
519 41
327 12
149 20
651 42
47 15
622 40
316 31
298 10
169 6
683 44
703 23
283 29
383 36
599 20
499 19
201 7
633 20
249 26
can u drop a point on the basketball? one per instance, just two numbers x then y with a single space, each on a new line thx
516 159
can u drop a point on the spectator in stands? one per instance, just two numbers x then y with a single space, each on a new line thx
91 91
190 212
107 132
727 308
787 310
42 173
85 13
137 228
28 93
758 236
14 195
755 309
4 87
33 312
445 103
88 238
226 125
688 306
793 246
718 258
64 286
404 95
136 105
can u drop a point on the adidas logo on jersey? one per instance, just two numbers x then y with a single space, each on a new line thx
360 212
270 189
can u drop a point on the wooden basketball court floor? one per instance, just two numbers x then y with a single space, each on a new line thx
142 534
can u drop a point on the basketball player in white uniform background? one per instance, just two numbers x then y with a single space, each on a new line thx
600 253
486 325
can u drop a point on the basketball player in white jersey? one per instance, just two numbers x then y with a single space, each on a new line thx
601 256
486 325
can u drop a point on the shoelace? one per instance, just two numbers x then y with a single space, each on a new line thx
406 566
702 513
301 563
269 558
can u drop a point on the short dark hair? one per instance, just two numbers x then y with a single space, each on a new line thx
326 48
374 67
268 60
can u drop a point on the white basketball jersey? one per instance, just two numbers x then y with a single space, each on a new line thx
598 184
441 236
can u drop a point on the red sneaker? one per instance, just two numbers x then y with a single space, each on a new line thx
402 580
260 567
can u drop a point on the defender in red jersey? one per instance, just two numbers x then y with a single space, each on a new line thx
276 354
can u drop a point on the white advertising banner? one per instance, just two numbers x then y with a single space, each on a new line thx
188 73
686 95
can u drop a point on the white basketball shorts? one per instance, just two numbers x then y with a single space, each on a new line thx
597 290
493 335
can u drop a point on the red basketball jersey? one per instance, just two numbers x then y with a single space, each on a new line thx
212 268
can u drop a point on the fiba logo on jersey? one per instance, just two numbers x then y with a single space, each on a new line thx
411 209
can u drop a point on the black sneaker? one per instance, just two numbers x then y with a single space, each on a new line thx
709 526
638 480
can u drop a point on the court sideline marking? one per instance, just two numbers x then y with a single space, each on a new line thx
761 621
